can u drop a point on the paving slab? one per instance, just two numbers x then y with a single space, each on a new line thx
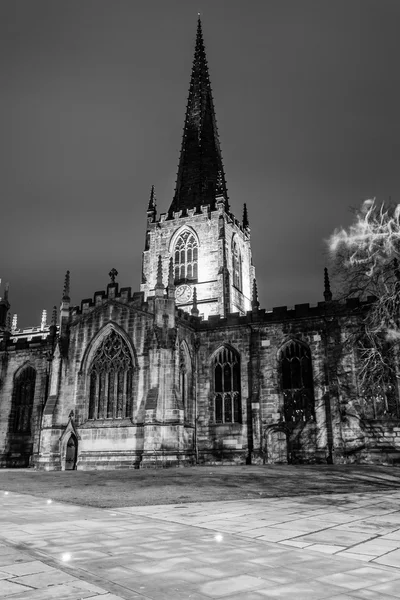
334 546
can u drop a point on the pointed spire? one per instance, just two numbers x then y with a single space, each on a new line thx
152 208
327 286
254 300
4 307
171 282
53 323
159 289
245 220
65 296
43 322
200 172
195 310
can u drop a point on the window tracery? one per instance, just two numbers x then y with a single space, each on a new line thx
186 257
297 382
23 395
110 380
227 401
379 398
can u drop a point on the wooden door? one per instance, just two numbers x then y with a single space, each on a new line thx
71 454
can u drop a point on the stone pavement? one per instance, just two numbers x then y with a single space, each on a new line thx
338 547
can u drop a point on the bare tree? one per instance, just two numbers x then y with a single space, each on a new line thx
365 265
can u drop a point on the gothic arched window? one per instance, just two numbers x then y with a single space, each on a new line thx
227 402
380 394
110 376
23 394
236 266
186 257
297 382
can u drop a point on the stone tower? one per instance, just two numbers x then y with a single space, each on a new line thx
210 248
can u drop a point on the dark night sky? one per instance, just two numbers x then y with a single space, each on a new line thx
92 102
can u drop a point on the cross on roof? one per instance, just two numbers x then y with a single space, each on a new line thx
113 273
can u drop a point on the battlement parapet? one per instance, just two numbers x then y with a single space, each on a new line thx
23 341
285 313
187 317
123 295
234 221
204 210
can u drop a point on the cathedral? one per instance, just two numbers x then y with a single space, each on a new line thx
189 370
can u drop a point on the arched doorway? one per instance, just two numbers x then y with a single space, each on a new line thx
276 441
71 454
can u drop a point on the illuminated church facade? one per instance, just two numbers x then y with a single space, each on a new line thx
189 370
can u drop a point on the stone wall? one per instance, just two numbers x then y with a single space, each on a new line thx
172 419
18 449
214 258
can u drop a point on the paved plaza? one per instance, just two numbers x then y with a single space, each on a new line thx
337 546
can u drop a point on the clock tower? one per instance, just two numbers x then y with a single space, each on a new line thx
209 247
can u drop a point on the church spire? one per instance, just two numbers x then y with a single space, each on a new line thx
200 172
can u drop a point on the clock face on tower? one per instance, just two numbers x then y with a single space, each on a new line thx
183 294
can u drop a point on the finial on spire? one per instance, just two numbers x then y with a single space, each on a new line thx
14 322
171 281
327 286
159 281
113 274
66 287
254 300
195 310
152 201
245 217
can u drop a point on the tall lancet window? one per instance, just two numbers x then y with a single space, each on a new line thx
297 382
186 257
227 402
236 266
23 395
111 375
